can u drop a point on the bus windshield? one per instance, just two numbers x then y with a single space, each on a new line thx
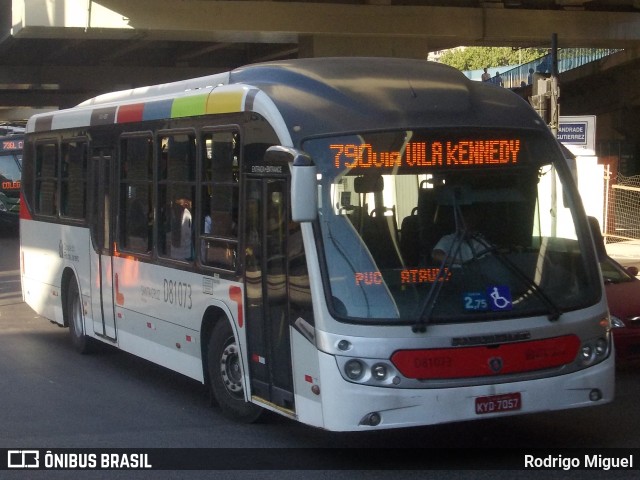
9 168
10 177
436 226
10 165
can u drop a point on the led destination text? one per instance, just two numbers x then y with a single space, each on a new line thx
12 145
407 276
463 153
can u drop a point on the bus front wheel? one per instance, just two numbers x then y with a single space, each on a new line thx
225 375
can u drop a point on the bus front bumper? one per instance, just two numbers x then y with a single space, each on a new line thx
352 407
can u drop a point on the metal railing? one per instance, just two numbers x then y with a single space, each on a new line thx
568 58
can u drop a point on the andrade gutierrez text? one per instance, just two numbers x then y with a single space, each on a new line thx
585 462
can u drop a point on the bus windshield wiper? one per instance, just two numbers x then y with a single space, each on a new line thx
453 251
426 307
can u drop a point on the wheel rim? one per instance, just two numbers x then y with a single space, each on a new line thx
231 371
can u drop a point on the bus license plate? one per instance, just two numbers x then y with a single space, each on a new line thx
498 403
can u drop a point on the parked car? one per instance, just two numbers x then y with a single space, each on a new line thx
622 288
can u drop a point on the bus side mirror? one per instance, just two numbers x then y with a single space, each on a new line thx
304 183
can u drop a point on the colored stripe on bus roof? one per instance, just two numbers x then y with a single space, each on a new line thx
189 106
130 113
157 109
223 99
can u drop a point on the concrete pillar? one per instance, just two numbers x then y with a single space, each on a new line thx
367 46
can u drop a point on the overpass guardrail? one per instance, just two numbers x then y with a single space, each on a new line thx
568 58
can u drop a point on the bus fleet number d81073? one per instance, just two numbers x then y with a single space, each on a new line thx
178 293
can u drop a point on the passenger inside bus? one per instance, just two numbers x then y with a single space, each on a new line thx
181 230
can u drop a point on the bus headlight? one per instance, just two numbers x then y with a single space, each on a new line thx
594 351
368 371
354 369
586 353
601 347
379 371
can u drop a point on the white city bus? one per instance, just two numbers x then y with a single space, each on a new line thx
272 232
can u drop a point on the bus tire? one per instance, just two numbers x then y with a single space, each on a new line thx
225 375
75 319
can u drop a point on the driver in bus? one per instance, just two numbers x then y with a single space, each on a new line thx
465 243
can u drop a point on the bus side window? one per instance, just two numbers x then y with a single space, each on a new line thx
73 181
176 195
46 179
136 199
219 213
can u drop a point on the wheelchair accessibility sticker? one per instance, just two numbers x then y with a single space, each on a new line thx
500 298
496 298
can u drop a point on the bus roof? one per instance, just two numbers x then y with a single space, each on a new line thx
316 96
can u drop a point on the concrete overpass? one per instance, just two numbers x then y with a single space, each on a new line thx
56 53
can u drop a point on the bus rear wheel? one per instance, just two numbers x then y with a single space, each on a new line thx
75 319
225 375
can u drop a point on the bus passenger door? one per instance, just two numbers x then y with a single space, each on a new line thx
102 287
267 288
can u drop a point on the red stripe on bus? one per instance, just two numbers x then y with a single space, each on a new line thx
486 360
25 214
235 294
130 113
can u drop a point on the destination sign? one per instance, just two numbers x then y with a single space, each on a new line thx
12 144
11 185
407 276
436 154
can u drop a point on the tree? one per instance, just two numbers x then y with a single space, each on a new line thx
475 58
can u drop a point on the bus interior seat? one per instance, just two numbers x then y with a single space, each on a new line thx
379 228
410 238
434 220
359 214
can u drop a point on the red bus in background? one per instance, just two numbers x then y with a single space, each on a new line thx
10 173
